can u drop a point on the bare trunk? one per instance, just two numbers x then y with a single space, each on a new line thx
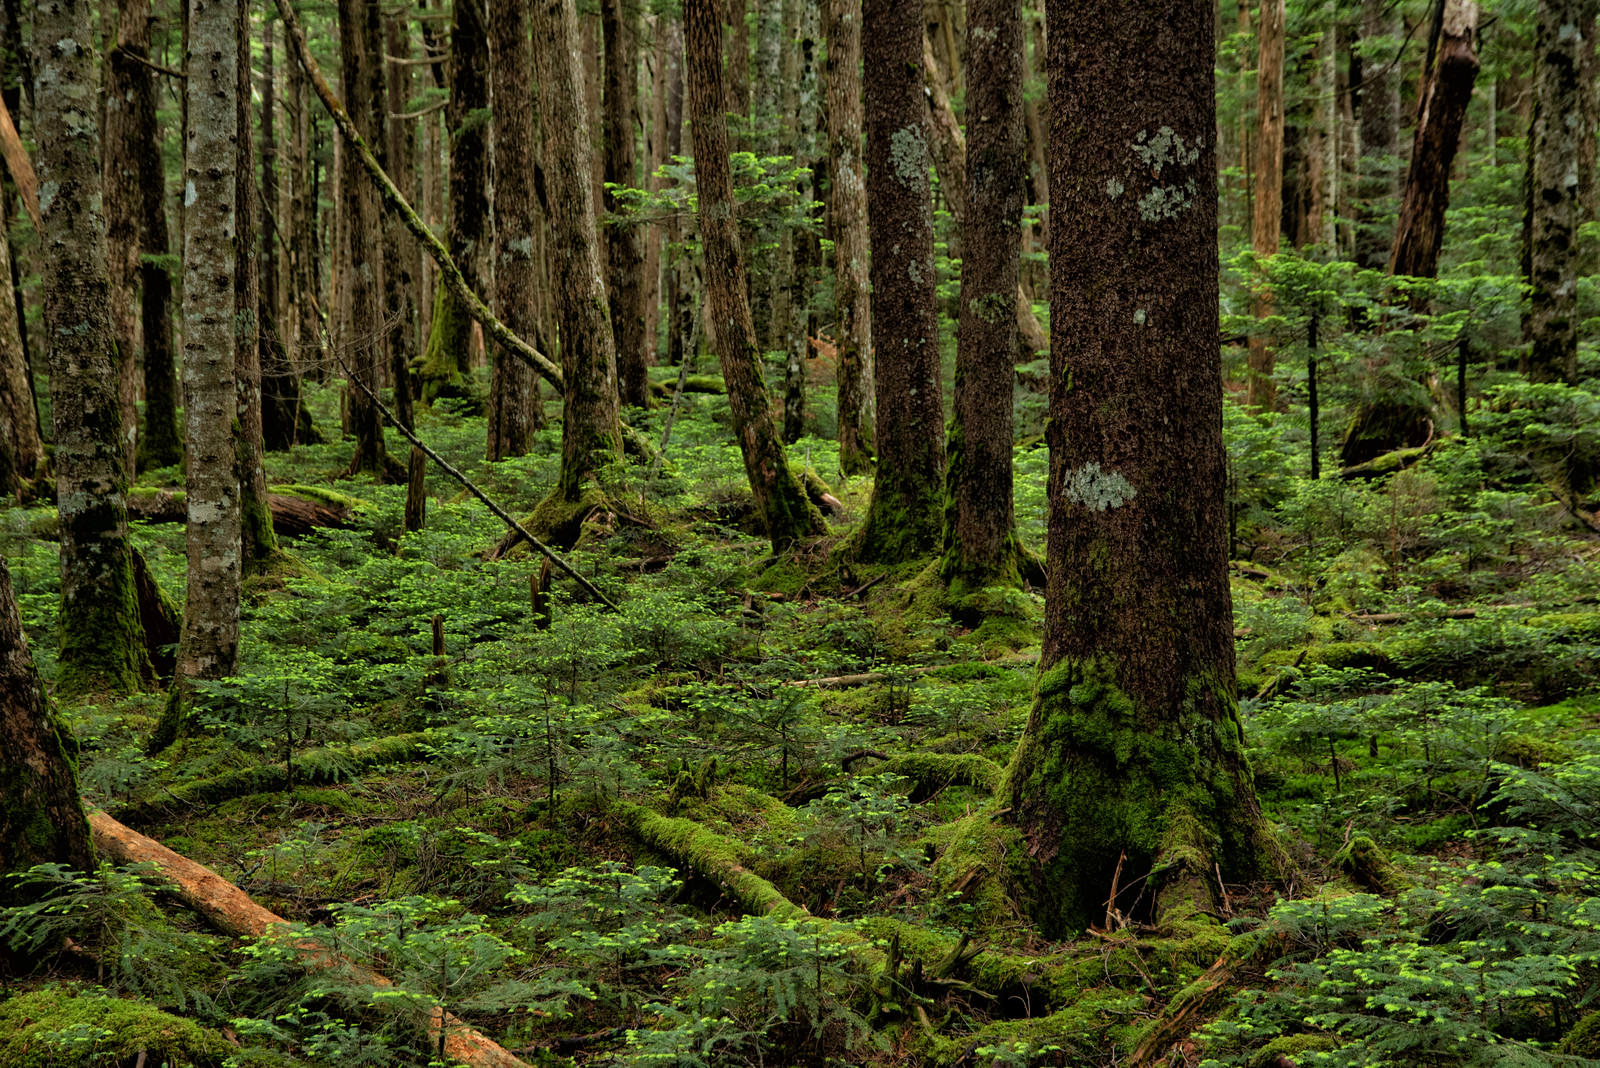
127 141
805 249
1377 89
1267 215
395 146
620 24
280 388
259 542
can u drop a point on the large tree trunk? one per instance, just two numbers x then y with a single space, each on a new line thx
1266 221
1377 89
514 391
259 542
102 649
591 432
360 52
21 450
1554 211
127 142
782 501
1445 96
847 212
903 520
1131 773
41 818
979 533
804 247
620 25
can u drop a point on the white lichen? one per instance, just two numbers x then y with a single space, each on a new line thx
1165 149
909 155
1139 317
1097 489
1167 201
1114 188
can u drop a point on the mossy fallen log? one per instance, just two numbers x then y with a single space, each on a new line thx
714 857
317 767
295 511
932 772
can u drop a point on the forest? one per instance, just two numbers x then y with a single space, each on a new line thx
799 533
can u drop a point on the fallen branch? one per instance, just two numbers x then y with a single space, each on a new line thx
505 517
449 272
711 856
20 166
231 910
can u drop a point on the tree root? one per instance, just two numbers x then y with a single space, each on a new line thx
231 910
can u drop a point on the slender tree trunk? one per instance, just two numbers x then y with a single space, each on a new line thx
620 24
1445 97
658 32
280 390
1377 88
682 279
209 646
782 501
1266 220
806 251
903 520
847 210
126 143
514 390
41 817
736 15
1559 137
308 352
1588 184
591 432
259 541
363 283
395 148
979 545
1322 162
102 649
21 450
1132 760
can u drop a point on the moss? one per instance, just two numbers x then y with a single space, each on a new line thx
932 772
559 520
972 866
439 368
1369 867
1286 1050
1584 1038
61 1028
710 855
102 642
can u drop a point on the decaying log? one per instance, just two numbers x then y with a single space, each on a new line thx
292 515
231 910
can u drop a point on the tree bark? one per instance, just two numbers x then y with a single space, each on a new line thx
1445 96
620 25
514 391
41 818
736 15
21 449
847 211
979 546
1267 216
1559 137
1133 755
903 520
280 389
127 141
779 496
394 145
591 432
805 248
102 650
1377 90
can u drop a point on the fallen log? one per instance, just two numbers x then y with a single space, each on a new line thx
232 911
293 515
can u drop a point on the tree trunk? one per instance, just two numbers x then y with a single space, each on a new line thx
21 450
736 16
806 251
449 353
683 276
1377 90
591 432
308 352
980 547
395 148
280 389
514 390
620 25
657 30
1131 772
1559 136
903 520
847 211
1445 97
1267 216
127 141
779 496
41 818
161 444
1322 160
102 650
259 542
363 280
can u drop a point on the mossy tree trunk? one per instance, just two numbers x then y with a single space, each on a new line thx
1133 755
621 26
41 818
102 649
591 431
1554 211
1266 222
903 520
514 405
847 216
979 546
788 514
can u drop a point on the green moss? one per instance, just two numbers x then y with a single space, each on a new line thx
1584 1038
558 520
439 368
932 772
62 1028
1369 867
102 641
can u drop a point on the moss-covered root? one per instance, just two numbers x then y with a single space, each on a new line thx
35 1029
711 856
316 767
932 772
1368 867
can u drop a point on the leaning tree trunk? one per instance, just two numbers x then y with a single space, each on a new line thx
102 648
41 817
979 547
1554 212
1445 96
1267 217
1130 780
21 450
903 520
591 431
620 25
362 278
514 390
1377 86
789 516
847 210
128 90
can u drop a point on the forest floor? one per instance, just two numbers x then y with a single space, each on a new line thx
741 821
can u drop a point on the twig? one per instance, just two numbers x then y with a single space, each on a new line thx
449 272
672 414
119 52
505 517
421 113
